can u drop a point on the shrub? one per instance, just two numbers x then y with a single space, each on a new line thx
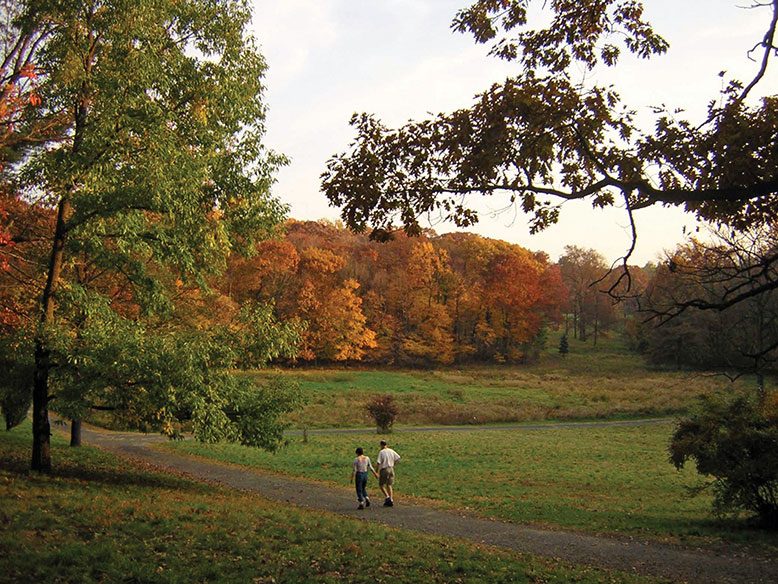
383 410
734 441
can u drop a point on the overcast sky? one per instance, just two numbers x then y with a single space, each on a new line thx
400 60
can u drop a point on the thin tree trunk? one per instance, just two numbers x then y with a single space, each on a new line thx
41 428
75 432
575 324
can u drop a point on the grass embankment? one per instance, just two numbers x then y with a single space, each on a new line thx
97 519
603 381
597 479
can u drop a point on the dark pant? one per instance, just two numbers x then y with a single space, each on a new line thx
361 483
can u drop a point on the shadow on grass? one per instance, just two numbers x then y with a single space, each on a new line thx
99 469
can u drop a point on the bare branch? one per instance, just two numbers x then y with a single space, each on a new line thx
768 43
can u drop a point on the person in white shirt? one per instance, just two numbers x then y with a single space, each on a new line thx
385 462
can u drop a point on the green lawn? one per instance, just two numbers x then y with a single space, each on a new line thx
602 480
99 519
603 381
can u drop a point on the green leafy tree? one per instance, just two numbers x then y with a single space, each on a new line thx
735 443
543 136
160 175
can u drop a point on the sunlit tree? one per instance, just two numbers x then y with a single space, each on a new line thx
159 174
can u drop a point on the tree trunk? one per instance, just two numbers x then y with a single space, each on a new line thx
575 324
41 428
75 432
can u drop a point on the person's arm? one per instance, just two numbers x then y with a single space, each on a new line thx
370 464
353 472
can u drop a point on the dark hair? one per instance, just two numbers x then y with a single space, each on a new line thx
383 442
360 451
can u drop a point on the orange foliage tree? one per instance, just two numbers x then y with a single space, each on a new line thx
410 300
336 327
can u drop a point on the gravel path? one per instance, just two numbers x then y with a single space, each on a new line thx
626 554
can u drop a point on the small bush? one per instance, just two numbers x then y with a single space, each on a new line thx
383 410
734 441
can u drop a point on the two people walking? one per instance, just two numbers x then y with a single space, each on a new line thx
385 462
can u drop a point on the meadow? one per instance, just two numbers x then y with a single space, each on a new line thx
99 519
604 480
592 382
614 480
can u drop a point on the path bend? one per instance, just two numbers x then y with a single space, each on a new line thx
624 554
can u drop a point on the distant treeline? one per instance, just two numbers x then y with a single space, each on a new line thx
440 299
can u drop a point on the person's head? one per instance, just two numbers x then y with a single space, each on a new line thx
360 452
383 443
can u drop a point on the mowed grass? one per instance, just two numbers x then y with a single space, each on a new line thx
602 381
613 480
99 519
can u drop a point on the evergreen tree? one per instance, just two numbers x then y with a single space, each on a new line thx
564 347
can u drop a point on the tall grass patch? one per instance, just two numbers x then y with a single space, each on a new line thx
603 381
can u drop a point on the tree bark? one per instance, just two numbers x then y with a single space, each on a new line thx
41 428
75 432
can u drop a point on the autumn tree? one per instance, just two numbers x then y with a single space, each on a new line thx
469 257
501 297
585 274
267 275
731 439
22 122
161 174
413 301
335 325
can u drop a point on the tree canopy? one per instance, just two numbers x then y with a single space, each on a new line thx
543 137
156 175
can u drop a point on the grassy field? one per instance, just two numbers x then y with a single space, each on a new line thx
97 519
606 381
596 479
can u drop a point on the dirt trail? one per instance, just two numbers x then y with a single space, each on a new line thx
626 554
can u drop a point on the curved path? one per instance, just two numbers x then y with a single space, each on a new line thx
625 554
